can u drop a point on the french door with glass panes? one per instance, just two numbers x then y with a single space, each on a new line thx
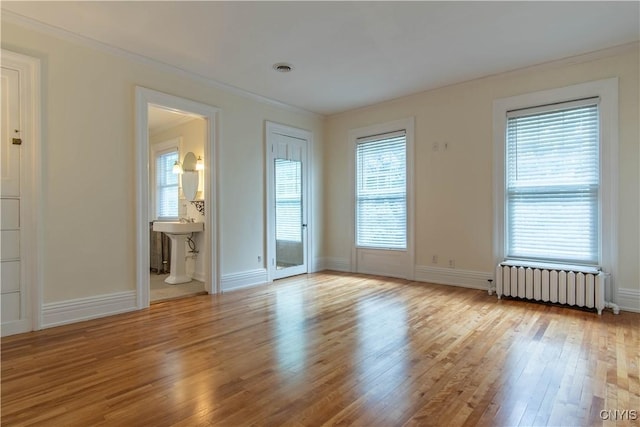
287 203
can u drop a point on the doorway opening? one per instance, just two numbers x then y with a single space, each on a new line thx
288 189
176 181
172 135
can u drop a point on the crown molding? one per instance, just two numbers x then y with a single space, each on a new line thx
60 33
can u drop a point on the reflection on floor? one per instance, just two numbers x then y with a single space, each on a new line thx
161 291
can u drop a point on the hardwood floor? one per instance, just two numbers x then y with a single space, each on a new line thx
329 349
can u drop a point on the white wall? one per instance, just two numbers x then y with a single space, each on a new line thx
88 163
453 188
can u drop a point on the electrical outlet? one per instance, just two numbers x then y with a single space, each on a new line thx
259 258
452 263
434 259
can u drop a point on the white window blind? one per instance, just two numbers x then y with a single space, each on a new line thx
381 191
288 200
552 183
166 185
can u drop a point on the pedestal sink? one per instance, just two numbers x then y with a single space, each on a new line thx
178 232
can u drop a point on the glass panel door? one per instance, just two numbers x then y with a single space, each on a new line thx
289 225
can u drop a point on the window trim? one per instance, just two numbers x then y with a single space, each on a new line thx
406 263
607 91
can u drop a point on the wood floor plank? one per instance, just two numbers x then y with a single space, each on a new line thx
328 349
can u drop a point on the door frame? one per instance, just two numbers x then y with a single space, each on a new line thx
272 128
31 214
144 98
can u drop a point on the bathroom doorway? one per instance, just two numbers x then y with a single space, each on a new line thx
172 135
176 216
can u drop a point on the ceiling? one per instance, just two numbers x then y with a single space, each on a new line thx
160 119
345 54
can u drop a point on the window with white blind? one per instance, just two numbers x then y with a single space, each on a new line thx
381 191
552 182
167 184
288 191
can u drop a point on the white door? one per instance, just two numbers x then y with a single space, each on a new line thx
287 204
14 297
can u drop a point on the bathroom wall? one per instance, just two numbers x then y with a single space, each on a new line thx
88 229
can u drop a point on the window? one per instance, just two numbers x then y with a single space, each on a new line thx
288 191
381 191
552 182
166 184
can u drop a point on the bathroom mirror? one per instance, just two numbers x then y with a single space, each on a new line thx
189 162
190 185
190 177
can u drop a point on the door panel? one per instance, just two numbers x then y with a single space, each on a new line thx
288 185
10 307
10 276
288 209
13 287
10 152
10 213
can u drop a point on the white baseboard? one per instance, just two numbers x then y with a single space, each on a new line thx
317 264
243 279
336 264
454 277
77 310
629 299
16 327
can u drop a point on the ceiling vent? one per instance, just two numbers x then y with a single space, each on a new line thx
283 67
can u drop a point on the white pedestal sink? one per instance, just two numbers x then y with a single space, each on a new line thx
178 232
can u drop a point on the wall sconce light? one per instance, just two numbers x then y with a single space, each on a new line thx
199 164
177 168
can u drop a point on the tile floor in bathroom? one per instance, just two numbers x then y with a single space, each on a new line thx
161 291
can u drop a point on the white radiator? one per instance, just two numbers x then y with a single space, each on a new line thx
582 287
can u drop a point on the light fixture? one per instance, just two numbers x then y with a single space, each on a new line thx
177 168
199 164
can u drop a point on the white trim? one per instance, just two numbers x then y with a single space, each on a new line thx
629 299
14 18
31 215
244 279
307 137
607 90
77 310
317 264
144 98
454 277
408 124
